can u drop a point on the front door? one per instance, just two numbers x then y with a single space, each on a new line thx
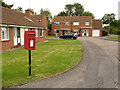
63 32
84 32
16 36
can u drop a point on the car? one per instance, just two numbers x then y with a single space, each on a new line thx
69 36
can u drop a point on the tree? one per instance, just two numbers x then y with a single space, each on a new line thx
78 9
75 9
32 11
3 4
63 13
69 9
87 13
48 15
108 19
114 23
19 9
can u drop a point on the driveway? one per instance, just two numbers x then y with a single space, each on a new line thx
98 69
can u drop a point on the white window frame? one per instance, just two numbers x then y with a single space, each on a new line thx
1 34
86 23
67 23
42 33
56 23
36 32
75 23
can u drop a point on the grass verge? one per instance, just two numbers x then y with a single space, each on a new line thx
49 58
114 38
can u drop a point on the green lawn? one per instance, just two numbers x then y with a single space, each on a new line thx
114 38
49 58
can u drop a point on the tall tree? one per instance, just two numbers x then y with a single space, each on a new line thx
108 19
87 13
69 9
78 9
3 4
63 13
75 9
48 15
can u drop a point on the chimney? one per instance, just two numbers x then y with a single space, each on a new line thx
35 13
27 13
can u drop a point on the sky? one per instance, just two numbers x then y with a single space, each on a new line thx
97 7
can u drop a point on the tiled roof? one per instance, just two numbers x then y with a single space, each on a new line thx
97 24
72 19
12 17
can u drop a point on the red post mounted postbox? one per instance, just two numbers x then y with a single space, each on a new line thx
29 40
29 44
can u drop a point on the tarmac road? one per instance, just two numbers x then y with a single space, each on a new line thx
98 69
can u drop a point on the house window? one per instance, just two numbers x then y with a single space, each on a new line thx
66 23
75 30
56 31
36 30
41 33
4 33
56 23
75 23
86 23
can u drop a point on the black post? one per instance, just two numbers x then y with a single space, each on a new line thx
29 63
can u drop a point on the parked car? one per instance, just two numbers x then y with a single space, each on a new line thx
69 36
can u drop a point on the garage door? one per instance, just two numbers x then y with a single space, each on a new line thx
96 33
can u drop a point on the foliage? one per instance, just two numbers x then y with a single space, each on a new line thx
63 13
32 11
113 29
69 9
48 15
19 9
3 4
87 13
75 9
47 60
78 8
108 18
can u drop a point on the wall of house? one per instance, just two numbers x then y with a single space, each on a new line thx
44 21
90 33
39 38
70 26
8 44
100 33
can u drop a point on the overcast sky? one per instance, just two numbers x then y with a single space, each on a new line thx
97 7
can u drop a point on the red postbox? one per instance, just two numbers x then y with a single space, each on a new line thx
29 40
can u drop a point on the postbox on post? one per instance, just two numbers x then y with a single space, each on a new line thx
29 44
29 40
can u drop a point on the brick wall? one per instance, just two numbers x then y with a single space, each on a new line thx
90 33
100 33
44 21
70 26
9 43
41 39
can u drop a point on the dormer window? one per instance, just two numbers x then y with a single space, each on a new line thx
56 23
86 23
